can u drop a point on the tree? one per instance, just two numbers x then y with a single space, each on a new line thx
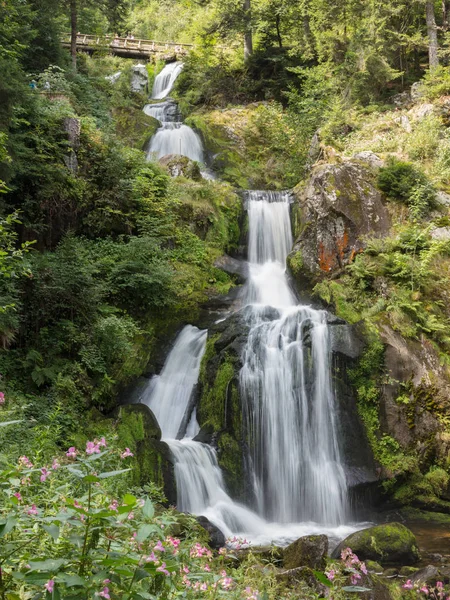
248 34
433 46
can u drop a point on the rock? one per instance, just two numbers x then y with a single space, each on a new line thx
404 123
392 543
314 150
345 340
374 567
299 575
139 78
370 158
418 113
216 537
113 78
233 266
181 166
403 99
429 574
443 198
407 571
441 233
417 91
338 206
309 551
390 572
72 126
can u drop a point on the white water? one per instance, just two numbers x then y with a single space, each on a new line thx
170 392
165 80
176 138
290 411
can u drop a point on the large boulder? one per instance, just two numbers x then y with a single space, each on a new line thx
337 207
309 551
181 166
391 543
139 78
216 538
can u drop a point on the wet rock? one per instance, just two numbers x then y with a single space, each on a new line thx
216 537
407 571
345 340
430 574
335 210
233 266
139 78
390 572
309 551
392 543
181 166
374 567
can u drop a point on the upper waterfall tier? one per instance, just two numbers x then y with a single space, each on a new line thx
165 80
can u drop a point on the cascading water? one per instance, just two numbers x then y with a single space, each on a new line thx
173 137
165 79
285 381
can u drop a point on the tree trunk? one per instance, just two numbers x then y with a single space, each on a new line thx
73 32
445 23
432 34
248 35
279 38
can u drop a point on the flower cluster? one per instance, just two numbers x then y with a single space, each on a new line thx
437 592
354 565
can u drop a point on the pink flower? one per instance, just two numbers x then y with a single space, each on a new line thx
102 443
185 569
55 464
204 587
105 593
227 583
162 569
159 547
114 505
130 516
186 581
106 581
355 578
222 551
18 496
175 542
33 510
24 461
25 481
151 558
2 398
92 448
251 594
439 585
77 504
44 474
72 452
363 568
331 574
207 568
127 452
425 590
49 586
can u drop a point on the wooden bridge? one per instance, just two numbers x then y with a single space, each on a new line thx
126 47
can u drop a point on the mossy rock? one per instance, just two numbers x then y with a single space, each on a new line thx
138 430
181 166
391 543
373 566
309 551
407 571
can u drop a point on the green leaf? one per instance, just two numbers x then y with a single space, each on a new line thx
355 588
90 479
113 473
6 423
148 509
71 580
51 564
7 526
76 472
52 530
144 532
129 499
322 578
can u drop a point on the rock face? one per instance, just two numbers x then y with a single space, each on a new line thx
138 430
181 166
392 543
309 551
72 127
338 206
216 538
139 78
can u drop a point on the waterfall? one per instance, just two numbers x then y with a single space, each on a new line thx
165 80
173 137
176 138
285 381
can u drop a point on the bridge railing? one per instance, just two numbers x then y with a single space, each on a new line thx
125 43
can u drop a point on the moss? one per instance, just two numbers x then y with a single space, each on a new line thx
213 401
231 462
295 263
391 543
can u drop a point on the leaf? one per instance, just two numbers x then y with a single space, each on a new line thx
148 509
322 578
5 423
90 479
52 530
7 526
50 564
141 574
144 532
71 580
76 472
355 588
112 473
129 499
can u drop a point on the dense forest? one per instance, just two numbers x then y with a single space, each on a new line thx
310 237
